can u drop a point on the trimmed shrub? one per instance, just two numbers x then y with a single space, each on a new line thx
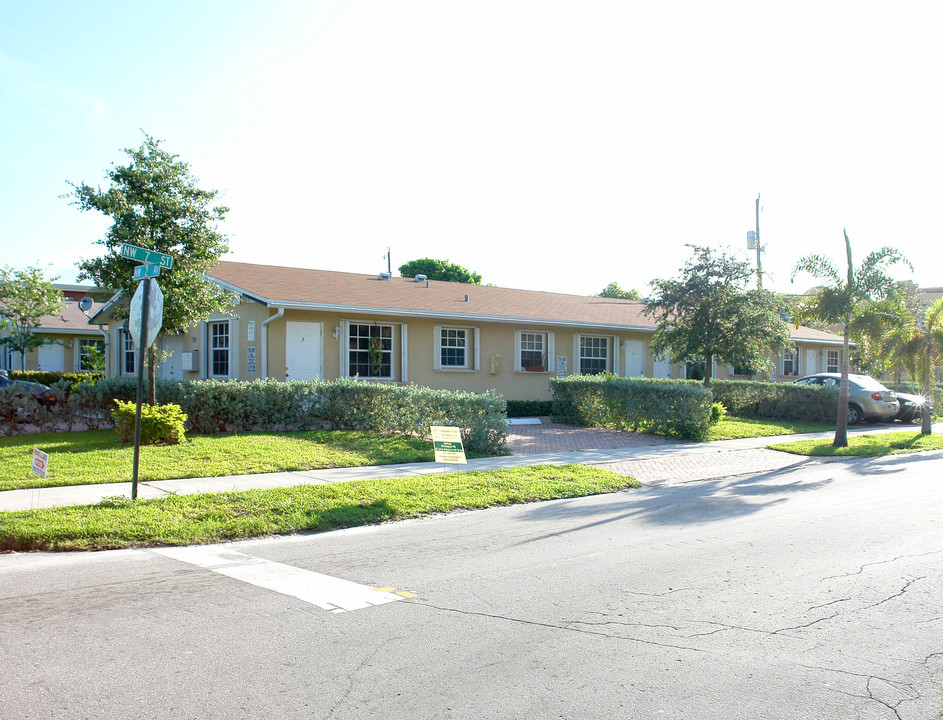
72 379
529 408
160 424
666 407
787 401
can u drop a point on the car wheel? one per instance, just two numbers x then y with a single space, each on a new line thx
854 415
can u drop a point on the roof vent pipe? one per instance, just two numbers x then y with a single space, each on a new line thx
386 276
466 298
421 278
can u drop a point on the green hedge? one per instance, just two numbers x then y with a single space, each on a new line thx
666 407
529 408
787 401
222 406
72 379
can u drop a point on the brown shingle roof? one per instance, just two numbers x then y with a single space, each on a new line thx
70 319
351 292
325 289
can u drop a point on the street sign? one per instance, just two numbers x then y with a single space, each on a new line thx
151 257
155 314
447 443
146 271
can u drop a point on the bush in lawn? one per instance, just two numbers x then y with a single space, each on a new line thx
666 407
160 424
718 412
787 401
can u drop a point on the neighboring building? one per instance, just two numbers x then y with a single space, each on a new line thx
298 324
68 336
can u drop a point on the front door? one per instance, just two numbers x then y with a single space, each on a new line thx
303 350
634 358
811 362
171 367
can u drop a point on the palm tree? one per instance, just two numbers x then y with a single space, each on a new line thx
836 300
916 345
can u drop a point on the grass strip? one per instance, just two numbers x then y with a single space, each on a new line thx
877 445
732 428
98 456
216 517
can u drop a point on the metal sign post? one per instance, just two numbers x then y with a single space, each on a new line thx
137 412
144 334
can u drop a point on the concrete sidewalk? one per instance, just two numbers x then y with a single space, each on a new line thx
657 464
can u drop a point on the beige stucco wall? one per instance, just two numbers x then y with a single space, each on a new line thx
496 351
65 346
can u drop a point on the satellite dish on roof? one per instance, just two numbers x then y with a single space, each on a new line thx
85 303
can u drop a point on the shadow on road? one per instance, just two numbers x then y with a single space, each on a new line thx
691 504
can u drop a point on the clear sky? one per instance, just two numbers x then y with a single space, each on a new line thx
546 145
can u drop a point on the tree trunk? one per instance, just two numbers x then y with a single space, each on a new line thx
708 366
841 422
925 420
152 375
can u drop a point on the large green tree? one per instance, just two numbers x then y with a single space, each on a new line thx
708 312
25 297
442 270
612 290
155 203
837 300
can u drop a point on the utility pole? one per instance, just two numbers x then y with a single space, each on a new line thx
759 262
753 241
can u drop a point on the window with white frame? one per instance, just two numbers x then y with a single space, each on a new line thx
790 361
456 348
370 350
532 351
594 354
91 354
832 361
219 348
127 356
453 347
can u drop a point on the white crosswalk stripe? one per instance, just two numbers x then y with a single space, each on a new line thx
326 592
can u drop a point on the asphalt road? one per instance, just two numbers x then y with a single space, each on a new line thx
809 592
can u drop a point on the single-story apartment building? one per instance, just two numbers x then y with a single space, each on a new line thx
67 335
301 324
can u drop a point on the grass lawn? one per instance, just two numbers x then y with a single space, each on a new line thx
731 428
215 517
98 456
894 443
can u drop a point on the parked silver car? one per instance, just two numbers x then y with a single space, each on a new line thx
867 398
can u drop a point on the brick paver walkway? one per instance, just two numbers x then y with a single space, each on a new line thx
657 468
674 469
551 437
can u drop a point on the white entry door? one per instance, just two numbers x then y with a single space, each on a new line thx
303 350
51 357
634 358
811 362
171 368
661 368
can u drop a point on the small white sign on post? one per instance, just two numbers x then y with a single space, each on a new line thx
447 443
40 462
